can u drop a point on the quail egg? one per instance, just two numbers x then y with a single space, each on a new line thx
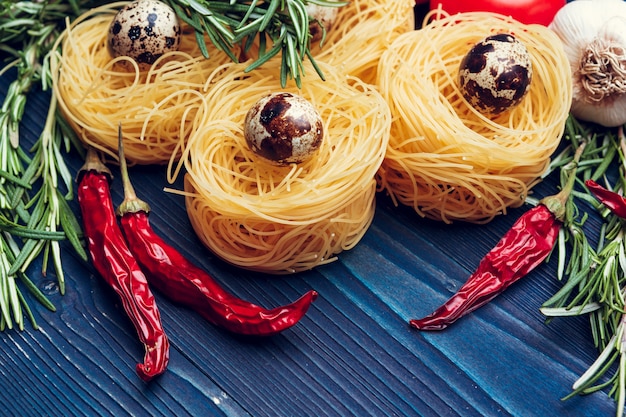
321 19
144 30
496 74
283 128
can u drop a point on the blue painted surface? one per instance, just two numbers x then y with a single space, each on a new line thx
352 355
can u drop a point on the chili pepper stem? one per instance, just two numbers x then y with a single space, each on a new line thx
131 203
557 203
93 163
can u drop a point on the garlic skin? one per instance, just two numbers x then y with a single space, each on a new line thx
593 33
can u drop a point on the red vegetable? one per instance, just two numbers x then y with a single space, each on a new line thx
115 263
183 282
526 245
529 241
525 11
612 200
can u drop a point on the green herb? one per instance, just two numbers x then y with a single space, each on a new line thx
34 215
281 28
593 264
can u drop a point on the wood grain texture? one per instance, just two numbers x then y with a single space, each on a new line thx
352 355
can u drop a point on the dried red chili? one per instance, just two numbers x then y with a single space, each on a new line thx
114 262
183 282
528 243
612 200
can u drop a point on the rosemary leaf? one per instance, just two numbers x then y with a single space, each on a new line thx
34 214
595 273
233 25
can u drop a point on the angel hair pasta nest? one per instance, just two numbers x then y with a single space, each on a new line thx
445 159
275 219
155 106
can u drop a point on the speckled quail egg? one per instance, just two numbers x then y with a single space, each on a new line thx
144 30
283 128
321 18
496 74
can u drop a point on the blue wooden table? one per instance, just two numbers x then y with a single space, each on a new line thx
353 354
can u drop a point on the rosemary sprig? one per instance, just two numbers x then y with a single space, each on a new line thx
594 267
34 215
280 28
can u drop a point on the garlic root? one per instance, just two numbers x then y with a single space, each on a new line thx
594 38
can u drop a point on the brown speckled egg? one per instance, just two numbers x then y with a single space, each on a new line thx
496 73
144 30
283 128
321 18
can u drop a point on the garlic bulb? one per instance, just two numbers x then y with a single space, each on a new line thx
593 33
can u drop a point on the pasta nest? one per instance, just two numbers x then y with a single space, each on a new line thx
155 107
445 159
284 219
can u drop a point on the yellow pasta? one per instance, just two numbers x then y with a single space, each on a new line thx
362 31
446 160
155 107
284 219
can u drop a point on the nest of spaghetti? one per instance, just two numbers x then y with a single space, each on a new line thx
155 106
284 219
445 159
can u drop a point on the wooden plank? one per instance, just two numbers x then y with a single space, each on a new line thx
352 355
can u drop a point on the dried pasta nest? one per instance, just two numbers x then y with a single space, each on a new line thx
362 32
444 158
154 106
284 219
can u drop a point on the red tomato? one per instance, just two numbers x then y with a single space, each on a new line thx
525 11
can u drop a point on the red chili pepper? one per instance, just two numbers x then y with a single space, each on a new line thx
183 282
115 263
529 241
612 200
526 245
